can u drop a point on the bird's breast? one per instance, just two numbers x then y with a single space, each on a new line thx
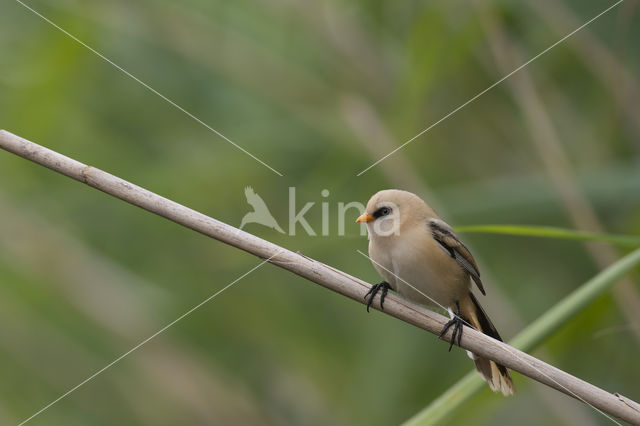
420 271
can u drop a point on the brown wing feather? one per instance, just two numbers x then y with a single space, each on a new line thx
445 236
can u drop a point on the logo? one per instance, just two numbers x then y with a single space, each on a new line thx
330 219
260 213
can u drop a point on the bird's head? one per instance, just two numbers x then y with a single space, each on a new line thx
392 211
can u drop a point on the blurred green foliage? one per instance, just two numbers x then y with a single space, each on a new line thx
84 277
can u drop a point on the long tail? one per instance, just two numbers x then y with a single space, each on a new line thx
496 375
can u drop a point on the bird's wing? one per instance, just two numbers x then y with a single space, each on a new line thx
444 235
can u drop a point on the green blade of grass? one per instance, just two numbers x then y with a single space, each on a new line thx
534 334
551 232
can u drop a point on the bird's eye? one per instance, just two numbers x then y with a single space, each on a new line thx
382 211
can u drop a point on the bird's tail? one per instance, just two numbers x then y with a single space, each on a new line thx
496 375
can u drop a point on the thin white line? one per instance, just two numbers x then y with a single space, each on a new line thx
492 86
145 85
508 347
572 393
144 341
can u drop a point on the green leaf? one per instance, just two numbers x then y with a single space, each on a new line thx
534 334
551 232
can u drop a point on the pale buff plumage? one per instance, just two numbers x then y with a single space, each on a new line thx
423 261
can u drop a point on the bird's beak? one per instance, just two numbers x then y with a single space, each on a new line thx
365 218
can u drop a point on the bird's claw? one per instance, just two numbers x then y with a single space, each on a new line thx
383 287
458 324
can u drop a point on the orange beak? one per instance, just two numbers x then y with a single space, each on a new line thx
365 218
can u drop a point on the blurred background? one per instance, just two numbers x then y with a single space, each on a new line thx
318 91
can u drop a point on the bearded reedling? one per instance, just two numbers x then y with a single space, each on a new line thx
422 259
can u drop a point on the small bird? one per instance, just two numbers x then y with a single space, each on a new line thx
260 213
422 259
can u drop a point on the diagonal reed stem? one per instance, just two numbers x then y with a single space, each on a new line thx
534 334
327 276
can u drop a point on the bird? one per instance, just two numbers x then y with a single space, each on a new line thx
421 258
260 213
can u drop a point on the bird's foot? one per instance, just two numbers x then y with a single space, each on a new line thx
383 287
458 324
